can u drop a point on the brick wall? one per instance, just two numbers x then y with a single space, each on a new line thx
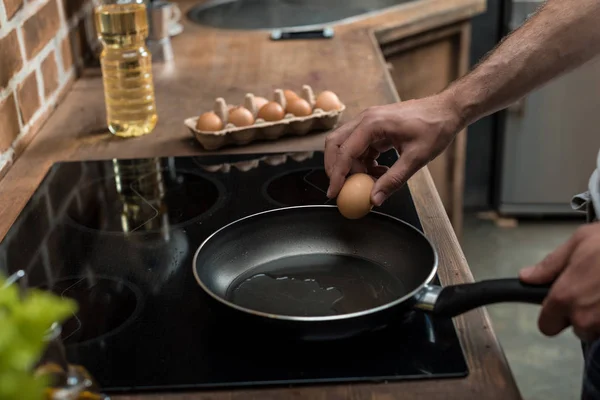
43 46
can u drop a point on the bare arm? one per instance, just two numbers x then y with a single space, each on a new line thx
561 36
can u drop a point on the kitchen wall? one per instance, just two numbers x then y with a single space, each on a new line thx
43 45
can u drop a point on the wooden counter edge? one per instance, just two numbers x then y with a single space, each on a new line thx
439 230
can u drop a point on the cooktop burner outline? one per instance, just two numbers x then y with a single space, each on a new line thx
302 174
75 324
131 199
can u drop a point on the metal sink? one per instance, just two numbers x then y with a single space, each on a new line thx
276 14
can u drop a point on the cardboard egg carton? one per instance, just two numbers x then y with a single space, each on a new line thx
319 120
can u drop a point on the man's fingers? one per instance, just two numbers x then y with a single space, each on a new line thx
377 171
554 315
394 178
552 320
367 163
349 151
335 139
550 267
370 154
381 146
358 166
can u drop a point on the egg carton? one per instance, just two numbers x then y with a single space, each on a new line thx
319 120
247 165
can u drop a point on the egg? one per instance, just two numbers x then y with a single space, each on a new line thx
241 116
299 107
271 111
209 122
328 101
290 95
259 102
354 200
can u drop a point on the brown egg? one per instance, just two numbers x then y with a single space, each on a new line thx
299 107
328 101
209 122
271 111
290 95
259 102
241 116
354 200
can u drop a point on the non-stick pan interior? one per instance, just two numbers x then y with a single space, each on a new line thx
313 262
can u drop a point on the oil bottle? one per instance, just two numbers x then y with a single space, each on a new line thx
122 27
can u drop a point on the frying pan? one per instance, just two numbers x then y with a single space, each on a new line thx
312 274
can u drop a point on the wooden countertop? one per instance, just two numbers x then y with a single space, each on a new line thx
210 63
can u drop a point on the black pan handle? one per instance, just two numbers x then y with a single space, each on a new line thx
457 299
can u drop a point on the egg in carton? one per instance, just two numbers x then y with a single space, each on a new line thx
260 127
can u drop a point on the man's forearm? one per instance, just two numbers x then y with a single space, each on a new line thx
561 36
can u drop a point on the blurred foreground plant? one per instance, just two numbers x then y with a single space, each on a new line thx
25 318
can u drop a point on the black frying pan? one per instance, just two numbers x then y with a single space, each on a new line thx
316 275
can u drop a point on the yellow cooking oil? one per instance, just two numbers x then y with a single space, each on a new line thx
126 68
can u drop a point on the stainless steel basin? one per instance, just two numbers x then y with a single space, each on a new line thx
273 14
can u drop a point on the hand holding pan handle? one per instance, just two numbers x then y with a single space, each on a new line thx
454 300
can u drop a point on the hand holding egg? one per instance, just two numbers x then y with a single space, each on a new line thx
354 200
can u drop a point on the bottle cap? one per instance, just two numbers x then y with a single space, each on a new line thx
121 20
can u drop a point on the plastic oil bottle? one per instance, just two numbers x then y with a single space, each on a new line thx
122 26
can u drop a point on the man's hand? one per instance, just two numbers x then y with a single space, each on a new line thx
418 129
574 298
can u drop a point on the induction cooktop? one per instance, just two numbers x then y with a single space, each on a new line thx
119 236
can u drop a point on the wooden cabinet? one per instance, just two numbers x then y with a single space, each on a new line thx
424 63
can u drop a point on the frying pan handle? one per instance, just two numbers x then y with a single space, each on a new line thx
457 299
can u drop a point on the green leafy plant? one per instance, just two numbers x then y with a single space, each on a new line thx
24 322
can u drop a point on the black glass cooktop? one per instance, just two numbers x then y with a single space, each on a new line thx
119 237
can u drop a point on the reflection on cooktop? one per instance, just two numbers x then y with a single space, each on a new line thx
105 305
143 197
373 349
297 188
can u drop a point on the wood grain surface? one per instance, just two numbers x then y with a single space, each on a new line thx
210 63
